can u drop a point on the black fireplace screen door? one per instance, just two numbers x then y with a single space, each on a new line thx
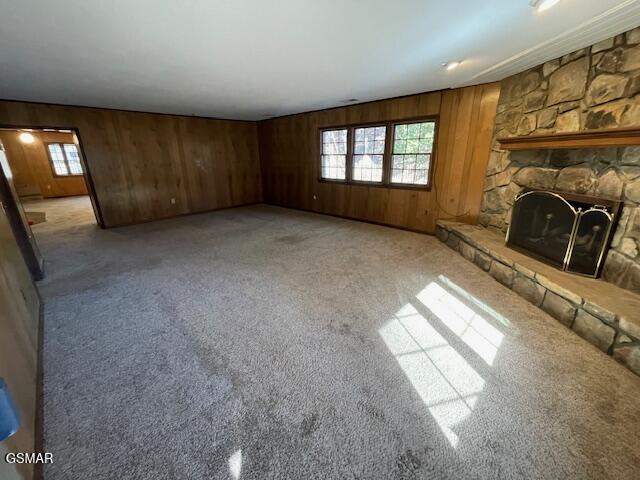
542 223
571 232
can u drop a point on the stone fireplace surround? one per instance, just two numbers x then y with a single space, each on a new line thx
594 88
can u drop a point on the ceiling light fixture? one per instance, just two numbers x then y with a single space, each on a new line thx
451 65
26 137
543 5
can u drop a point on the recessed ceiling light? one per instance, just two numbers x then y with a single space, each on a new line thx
451 65
26 137
543 5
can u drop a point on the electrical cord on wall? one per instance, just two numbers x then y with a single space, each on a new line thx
440 207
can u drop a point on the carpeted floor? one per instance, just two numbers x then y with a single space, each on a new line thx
265 343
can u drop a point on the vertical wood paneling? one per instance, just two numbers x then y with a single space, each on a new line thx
19 316
139 161
289 149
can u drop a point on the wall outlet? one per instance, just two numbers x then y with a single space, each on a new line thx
172 201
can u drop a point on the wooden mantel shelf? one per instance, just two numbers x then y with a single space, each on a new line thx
615 137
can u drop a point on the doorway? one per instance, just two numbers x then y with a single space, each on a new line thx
44 180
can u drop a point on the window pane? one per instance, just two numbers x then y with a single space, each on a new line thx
333 167
413 130
427 129
425 145
409 162
369 133
412 148
368 153
334 142
57 159
333 158
367 168
335 148
73 158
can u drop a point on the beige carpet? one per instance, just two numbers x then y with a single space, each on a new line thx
261 342
36 217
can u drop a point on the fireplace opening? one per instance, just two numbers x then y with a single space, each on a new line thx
569 231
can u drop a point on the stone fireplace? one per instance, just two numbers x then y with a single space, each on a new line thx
565 206
594 88
571 232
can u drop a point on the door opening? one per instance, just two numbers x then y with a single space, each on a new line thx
45 186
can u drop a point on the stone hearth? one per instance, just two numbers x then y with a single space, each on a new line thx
596 87
600 312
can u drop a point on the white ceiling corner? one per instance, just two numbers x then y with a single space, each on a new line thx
619 19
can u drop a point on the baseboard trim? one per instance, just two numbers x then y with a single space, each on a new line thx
345 217
180 215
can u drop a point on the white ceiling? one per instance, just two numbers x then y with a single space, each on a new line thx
252 59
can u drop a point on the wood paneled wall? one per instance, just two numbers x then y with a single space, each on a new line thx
31 167
289 151
139 162
19 318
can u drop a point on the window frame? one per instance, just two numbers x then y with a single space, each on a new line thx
387 157
66 160
351 149
347 168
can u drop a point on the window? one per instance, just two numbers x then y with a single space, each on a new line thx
334 154
412 148
368 153
363 154
65 159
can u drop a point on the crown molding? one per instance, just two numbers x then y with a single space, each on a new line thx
614 21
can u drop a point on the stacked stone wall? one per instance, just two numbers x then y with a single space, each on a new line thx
594 88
